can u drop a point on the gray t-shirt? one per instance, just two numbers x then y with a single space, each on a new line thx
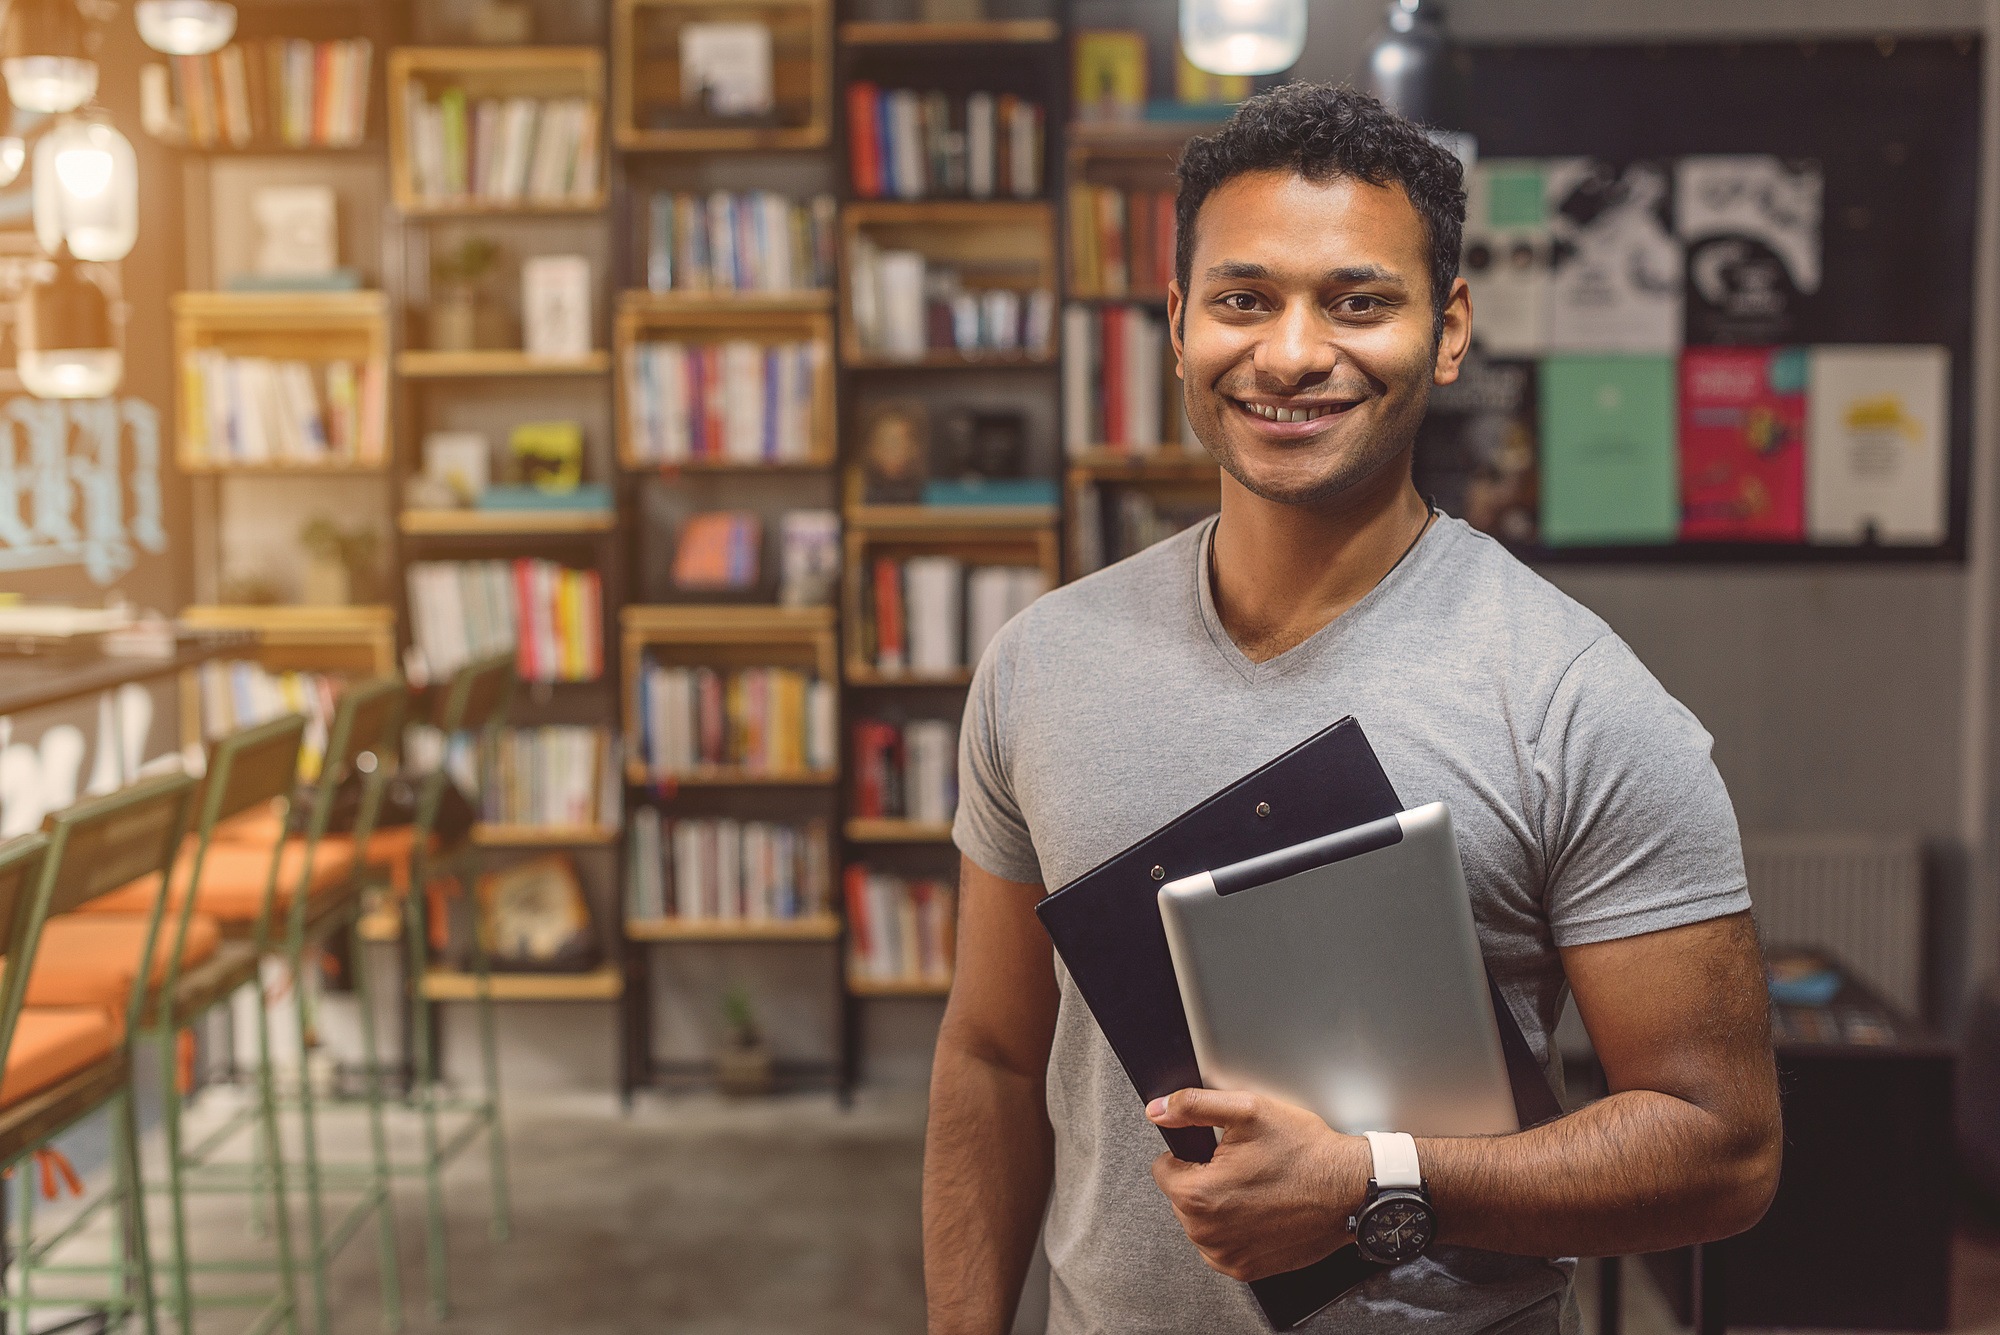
1583 796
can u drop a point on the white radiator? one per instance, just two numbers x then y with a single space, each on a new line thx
1859 896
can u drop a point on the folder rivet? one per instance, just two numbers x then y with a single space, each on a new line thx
1263 808
1159 873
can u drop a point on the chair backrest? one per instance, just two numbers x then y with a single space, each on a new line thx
105 842
251 767
478 696
22 860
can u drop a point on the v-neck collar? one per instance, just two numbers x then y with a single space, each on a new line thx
1421 553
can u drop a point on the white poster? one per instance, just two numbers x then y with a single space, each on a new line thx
1505 259
1751 225
1877 423
1615 265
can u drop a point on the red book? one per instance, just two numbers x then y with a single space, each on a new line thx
593 624
322 100
1111 375
712 717
1743 422
861 99
854 882
524 620
890 654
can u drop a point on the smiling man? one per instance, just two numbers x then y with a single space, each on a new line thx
1316 303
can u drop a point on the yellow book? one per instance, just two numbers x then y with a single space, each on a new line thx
1085 275
1197 87
569 635
1110 69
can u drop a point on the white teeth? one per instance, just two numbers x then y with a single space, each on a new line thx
1274 414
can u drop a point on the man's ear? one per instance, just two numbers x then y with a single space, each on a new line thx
1177 325
1454 334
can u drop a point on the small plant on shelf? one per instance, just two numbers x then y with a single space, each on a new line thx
743 1067
342 563
458 282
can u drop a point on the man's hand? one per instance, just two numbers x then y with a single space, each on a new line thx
1279 1191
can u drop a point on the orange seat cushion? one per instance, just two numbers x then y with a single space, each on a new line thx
91 959
232 881
51 1045
390 846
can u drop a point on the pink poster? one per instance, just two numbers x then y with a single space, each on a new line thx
1743 421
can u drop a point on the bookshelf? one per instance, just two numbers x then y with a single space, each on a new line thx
1105 526
359 641
604 984
653 114
990 245
453 79
424 364
967 32
505 523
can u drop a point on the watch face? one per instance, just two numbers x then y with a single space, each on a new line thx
1396 1227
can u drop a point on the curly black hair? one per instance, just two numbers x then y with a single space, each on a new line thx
1321 132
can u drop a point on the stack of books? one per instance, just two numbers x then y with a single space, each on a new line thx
1137 520
904 307
501 150
899 928
258 410
906 771
241 694
297 93
725 870
755 242
1114 366
1120 242
903 144
931 616
549 616
548 776
761 720
738 401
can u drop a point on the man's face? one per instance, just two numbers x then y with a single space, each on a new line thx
1307 352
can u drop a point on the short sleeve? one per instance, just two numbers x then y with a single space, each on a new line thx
989 827
1637 827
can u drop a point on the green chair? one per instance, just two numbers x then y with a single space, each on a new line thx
92 850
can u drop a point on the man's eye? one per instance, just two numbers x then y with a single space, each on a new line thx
1359 304
1240 301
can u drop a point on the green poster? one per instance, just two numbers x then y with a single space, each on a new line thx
1610 471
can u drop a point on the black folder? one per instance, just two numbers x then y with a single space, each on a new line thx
1106 926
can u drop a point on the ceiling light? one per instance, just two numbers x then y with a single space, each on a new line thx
86 190
185 27
13 154
62 328
1243 36
45 56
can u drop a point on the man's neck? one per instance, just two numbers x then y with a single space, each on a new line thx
1282 572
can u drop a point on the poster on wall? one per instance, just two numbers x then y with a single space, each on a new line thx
1742 434
1751 227
1615 280
1875 444
1609 469
1475 453
1505 257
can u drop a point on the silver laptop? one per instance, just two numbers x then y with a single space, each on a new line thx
1343 975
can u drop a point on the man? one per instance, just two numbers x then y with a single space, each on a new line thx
1315 303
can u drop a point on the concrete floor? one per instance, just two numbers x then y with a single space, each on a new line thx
703 1217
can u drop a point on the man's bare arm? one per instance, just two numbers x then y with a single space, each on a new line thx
988 1149
1684 1149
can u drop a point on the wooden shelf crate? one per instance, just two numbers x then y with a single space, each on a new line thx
815 927
647 87
990 243
504 523
605 984
645 317
508 362
1008 546
357 640
724 638
495 71
314 327
895 830
970 32
897 987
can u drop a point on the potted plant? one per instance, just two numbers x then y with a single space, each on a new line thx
340 563
743 1066
458 277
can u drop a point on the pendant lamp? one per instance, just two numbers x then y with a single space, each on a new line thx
45 56
1243 36
185 27
62 327
86 190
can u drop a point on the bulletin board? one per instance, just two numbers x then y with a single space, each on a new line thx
1890 132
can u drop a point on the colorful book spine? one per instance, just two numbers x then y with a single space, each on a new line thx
909 145
737 402
501 150
546 777
900 929
766 720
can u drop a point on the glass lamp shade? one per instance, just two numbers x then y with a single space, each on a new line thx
13 156
86 191
185 27
62 325
45 56
1243 36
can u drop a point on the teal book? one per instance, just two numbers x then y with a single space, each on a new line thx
1610 462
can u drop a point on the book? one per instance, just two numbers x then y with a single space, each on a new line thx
1615 280
500 150
911 144
547 455
1476 454
1742 440
766 720
461 460
551 776
932 616
726 67
1877 427
719 549
280 92
1505 258
757 241
905 770
899 929
1110 71
808 558
1120 241
254 410
1751 225
737 401
1117 357
721 869
1609 472
904 307
555 306
237 693
549 615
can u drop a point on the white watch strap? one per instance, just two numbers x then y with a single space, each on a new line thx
1395 1159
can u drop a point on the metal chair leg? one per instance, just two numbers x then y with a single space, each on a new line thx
425 1086
170 1123
385 1212
496 1141
131 1188
316 1257
274 1148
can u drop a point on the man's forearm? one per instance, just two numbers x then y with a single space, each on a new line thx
988 1158
1636 1172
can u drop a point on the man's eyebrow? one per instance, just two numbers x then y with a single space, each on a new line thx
1247 271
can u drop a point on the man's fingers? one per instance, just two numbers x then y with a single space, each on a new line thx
1204 1107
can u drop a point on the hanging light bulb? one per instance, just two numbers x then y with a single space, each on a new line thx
185 27
62 327
1243 36
45 56
1409 66
86 190
13 154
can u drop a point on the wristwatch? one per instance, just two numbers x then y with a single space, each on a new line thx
1396 1222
